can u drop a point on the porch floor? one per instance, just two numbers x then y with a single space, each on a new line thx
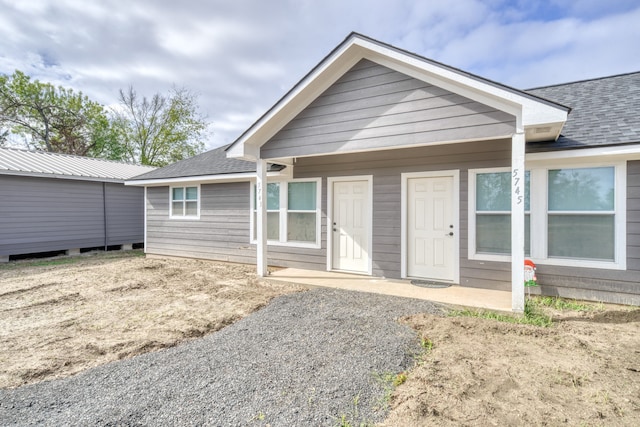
455 295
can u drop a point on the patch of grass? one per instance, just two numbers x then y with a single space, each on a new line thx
531 316
74 259
345 420
563 304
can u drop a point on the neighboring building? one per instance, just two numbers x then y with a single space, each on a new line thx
394 165
56 202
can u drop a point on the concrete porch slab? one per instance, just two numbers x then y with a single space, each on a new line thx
455 295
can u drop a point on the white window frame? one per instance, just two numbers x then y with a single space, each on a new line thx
283 211
184 217
539 171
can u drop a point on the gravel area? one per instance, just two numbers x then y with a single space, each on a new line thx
313 358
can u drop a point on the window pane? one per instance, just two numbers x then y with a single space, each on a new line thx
493 234
302 196
192 193
273 196
177 194
301 227
493 191
191 208
582 236
588 189
177 208
273 225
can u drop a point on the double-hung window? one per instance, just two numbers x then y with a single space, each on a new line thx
581 213
293 213
185 202
574 215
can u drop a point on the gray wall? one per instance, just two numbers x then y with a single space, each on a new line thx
373 107
44 214
604 285
221 233
386 168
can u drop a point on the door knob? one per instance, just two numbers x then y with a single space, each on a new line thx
450 233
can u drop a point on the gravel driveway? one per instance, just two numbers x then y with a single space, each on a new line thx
309 358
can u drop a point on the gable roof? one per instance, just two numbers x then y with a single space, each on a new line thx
213 162
606 111
530 110
14 161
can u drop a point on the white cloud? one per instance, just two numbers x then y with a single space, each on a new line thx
241 56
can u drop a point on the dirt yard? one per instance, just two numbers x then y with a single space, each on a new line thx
584 370
61 316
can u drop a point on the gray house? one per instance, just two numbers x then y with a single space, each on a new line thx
382 162
55 202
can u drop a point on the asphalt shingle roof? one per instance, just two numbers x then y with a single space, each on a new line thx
605 111
14 161
213 162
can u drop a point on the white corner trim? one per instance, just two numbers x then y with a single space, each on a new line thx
145 220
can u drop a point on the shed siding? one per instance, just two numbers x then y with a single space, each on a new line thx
43 214
125 214
373 107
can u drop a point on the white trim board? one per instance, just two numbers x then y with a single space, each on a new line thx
455 174
330 181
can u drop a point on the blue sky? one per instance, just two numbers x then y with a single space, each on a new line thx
241 56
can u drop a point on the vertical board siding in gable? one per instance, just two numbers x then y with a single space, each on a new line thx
374 107
221 233
43 214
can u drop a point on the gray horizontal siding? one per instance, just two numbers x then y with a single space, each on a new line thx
221 233
386 168
373 107
604 285
44 214
125 214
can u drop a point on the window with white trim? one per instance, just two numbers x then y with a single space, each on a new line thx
581 213
185 202
293 213
574 214
493 212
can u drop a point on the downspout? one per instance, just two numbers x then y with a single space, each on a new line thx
104 212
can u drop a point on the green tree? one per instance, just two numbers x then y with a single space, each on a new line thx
159 130
55 119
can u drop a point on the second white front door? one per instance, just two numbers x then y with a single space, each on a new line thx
350 225
430 228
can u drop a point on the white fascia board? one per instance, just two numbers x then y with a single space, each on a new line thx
305 92
202 179
533 112
528 111
621 152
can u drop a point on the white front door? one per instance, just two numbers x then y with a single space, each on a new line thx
430 228
350 225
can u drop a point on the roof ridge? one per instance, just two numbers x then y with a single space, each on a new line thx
584 80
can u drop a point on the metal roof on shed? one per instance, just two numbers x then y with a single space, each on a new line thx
20 162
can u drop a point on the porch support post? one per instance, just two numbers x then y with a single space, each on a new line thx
517 221
261 210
